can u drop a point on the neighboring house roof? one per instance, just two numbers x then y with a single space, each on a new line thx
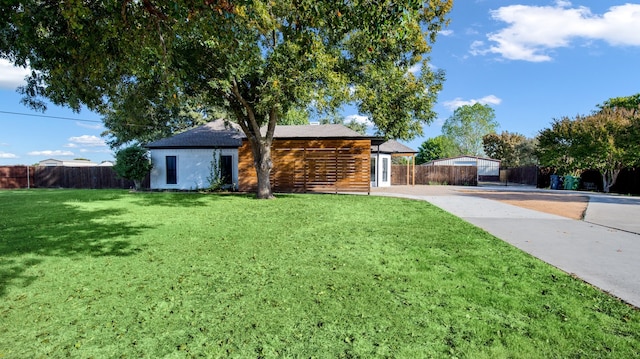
393 147
52 162
224 134
461 158
215 134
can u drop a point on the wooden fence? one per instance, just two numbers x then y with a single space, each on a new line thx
523 175
62 177
444 175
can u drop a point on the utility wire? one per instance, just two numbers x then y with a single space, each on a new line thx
46 116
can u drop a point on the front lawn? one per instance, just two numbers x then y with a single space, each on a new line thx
115 274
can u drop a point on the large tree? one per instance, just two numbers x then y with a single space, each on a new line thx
255 59
511 148
435 148
606 141
466 127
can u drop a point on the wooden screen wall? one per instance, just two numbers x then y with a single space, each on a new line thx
311 166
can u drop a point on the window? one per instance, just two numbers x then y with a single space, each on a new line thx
172 170
373 169
385 170
226 169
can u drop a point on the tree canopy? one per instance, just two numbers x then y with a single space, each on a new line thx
254 59
631 103
606 141
466 127
435 148
512 149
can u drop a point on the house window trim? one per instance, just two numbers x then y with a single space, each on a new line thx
373 168
175 170
229 179
385 169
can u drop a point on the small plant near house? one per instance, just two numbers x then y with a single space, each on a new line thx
133 163
215 178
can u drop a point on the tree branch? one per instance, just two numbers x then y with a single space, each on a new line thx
255 127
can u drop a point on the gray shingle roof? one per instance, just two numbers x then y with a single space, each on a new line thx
219 133
393 146
315 131
214 134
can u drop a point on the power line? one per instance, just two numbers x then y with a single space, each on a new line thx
46 116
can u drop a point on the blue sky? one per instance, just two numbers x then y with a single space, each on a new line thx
531 61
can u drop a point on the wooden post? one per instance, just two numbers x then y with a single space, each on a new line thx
408 165
413 162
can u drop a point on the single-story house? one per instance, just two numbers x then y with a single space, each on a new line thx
324 158
488 168
66 163
381 156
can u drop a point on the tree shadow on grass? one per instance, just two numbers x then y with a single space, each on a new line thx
186 199
61 229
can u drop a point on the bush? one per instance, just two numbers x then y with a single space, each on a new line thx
133 163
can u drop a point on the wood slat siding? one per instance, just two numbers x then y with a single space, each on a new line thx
450 175
311 166
63 177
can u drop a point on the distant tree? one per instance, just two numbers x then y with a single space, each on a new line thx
554 145
433 149
606 141
295 116
527 152
512 149
466 127
359 127
133 163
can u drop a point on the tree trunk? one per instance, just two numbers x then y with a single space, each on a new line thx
263 164
609 178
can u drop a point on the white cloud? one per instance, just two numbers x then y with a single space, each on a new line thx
457 102
86 141
533 31
51 153
358 119
478 48
415 68
446 32
7 155
10 76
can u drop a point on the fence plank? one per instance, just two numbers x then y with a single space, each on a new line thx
63 177
450 175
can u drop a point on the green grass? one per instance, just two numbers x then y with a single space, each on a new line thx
116 274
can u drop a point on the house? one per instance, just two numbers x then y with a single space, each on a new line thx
66 163
323 158
488 168
381 156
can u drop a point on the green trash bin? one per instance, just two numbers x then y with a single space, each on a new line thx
571 182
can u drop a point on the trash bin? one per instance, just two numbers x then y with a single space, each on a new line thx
555 182
571 182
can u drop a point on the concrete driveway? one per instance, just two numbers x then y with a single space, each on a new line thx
603 249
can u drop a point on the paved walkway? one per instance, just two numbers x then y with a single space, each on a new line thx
603 250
